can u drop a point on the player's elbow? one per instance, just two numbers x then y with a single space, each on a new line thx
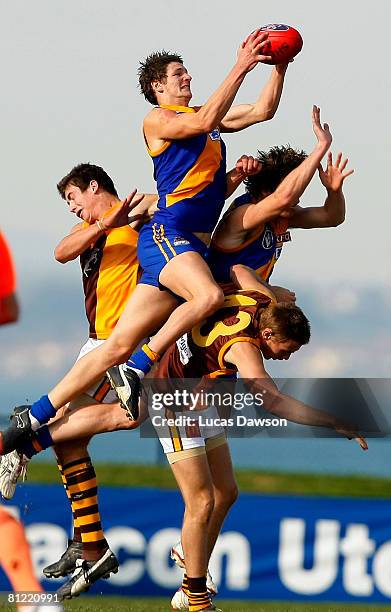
61 256
265 114
206 121
331 220
268 114
207 125
338 220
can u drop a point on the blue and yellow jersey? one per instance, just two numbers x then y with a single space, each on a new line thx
260 252
190 177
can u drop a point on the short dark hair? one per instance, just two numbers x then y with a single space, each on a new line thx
154 68
276 165
287 321
81 176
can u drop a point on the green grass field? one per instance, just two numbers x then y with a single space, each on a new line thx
254 481
115 604
127 604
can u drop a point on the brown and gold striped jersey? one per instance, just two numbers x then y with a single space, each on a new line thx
201 352
110 271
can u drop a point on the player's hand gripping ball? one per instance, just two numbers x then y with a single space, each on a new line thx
283 44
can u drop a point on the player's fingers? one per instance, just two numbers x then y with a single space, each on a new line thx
129 197
261 47
257 166
344 163
253 36
250 163
137 199
362 442
329 159
261 36
348 173
338 160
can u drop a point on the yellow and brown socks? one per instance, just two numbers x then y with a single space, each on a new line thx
83 489
196 591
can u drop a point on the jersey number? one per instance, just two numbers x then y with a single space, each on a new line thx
220 328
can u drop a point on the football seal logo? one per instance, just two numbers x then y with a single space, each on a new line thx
267 240
274 26
214 134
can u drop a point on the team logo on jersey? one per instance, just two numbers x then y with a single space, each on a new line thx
214 134
179 241
274 26
286 237
93 261
267 240
185 353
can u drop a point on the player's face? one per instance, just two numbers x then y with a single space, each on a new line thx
272 348
81 203
177 82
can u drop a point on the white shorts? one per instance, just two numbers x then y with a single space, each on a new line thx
183 431
101 391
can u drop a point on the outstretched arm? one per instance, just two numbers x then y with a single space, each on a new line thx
287 194
246 357
243 115
165 124
332 213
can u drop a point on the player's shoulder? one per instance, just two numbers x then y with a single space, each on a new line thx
157 114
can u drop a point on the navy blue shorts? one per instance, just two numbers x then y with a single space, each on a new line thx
158 244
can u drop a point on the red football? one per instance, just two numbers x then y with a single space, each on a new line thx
283 44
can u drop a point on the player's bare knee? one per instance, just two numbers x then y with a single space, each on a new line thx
213 299
201 511
226 497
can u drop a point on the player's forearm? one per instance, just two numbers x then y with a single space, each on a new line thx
266 106
76 243
293 410
234 178
334 208
292 187
221 100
